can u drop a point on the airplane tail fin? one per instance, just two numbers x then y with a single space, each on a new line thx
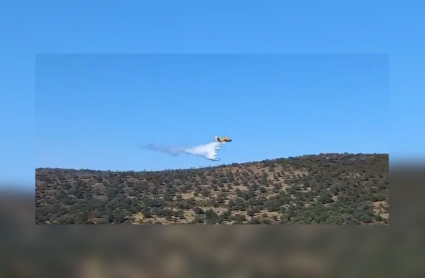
217 139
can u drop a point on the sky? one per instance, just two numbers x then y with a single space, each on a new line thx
29 29
98 111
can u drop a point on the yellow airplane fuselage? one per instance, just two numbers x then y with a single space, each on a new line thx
223 139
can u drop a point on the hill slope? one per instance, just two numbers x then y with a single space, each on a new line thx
324 189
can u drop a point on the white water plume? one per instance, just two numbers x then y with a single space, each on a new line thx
208 151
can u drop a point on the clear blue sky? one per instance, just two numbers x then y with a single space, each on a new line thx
97 111
123 27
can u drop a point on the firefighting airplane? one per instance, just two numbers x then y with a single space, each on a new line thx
223 139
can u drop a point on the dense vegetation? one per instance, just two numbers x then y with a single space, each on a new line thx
316 189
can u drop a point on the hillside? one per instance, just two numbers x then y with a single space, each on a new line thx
316 189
